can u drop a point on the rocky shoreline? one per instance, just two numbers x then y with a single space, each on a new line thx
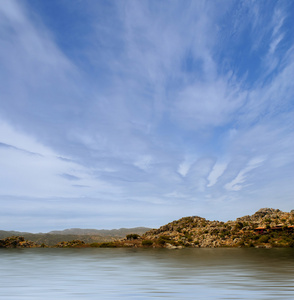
17 242
266 228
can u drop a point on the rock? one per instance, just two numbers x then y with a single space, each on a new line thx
169 246
17 242
69 244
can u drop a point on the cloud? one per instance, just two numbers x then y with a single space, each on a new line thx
184 168
206 104
14 139
38 80
277 36
236 183
69 176
18 149
216 172
28 173
186 164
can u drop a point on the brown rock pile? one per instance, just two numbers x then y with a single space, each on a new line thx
71 244
17 242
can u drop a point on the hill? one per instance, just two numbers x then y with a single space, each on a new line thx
268 227
117 233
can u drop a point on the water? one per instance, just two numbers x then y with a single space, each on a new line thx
146 274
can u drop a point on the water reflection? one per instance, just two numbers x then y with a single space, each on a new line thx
147 273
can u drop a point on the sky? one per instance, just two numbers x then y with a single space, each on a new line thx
137 113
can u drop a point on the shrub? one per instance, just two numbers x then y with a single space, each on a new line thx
264 239
215 231
163 239
250 244
239 226
95 245
222 235
132 236
108 245
147 243
241 243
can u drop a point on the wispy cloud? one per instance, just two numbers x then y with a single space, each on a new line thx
69 176
236 183
217 171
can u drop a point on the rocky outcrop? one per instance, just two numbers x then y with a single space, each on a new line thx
17 242
199 232
260 216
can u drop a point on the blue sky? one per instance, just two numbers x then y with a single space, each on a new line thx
136 113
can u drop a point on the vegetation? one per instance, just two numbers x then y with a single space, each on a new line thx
147 243
132 236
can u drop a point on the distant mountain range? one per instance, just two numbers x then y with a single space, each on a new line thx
86 235
122 232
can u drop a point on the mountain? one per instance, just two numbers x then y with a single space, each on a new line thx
88 236
118 233
53 239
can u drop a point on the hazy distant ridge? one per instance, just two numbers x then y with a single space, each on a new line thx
122 232
86 235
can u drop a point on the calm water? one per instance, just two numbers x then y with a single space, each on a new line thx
146 274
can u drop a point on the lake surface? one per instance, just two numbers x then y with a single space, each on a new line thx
146 274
